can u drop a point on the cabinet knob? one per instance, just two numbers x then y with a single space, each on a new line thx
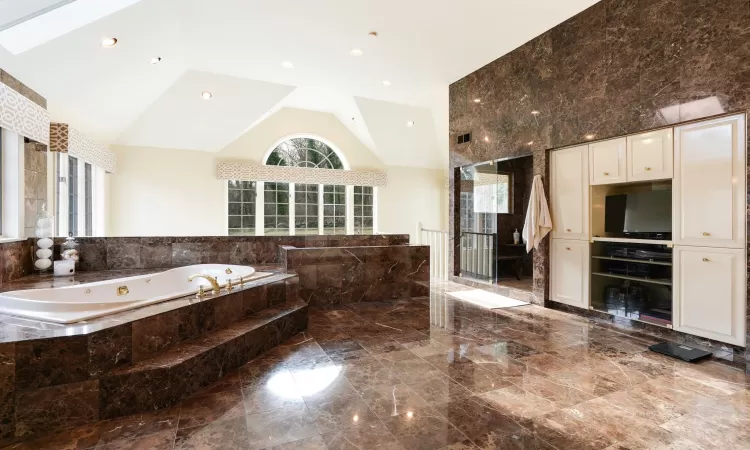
706 260
647 168
706 233
606 174
568 230
567 248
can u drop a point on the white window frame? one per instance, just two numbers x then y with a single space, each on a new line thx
99 196
260 195
13 208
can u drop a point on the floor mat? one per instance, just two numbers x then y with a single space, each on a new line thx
486 299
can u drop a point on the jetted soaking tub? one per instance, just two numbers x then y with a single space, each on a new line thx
71 304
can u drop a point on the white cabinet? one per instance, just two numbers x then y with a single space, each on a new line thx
569 193
607 162
650 156
569 272
710 293
709 192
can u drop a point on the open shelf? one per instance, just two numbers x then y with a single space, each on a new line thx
665 324
634 260
631 241
632 278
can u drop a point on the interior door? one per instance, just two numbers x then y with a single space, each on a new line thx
570 272
710 293
650 156
607 162
569 189
709 192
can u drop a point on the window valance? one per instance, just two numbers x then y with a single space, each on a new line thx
286 174
22 116
69 140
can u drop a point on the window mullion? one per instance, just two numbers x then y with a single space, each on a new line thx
320 209
349 208
291 207
260 208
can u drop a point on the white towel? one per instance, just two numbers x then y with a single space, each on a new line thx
538 221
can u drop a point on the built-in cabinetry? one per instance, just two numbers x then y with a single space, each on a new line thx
570 272
709 220
569 180
570 196
695 282
709 184
710 293
607 162
650 156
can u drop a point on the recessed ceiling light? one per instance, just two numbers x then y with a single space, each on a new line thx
155 60
535 112
410 124
109 42
287 64
477 100
356 52
589 136
206 95
386 83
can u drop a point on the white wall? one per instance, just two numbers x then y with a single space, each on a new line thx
159 192
412 195
162 192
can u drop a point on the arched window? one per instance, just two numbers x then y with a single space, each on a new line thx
301 208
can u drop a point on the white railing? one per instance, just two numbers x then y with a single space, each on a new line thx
438 242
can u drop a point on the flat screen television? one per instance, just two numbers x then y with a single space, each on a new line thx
639 213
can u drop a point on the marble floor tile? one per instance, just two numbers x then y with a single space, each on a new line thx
340 413
197 411
391 401
373 436
368 372
280 426
380 376
424 429
227 434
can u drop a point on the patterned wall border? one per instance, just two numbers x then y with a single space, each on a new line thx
283 174
65 139
21 115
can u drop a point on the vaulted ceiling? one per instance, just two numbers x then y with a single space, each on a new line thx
235 49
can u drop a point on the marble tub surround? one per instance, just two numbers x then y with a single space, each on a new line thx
64 376
107 253
438 373
333 277
15 260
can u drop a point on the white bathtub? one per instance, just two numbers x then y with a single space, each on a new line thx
89 300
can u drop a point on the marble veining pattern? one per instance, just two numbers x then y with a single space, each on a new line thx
619 67
516 378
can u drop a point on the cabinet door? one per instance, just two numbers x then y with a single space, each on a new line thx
650 156
569 192
710 292
607 162
569 272
709 190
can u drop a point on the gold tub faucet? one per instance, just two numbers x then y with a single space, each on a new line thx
210 279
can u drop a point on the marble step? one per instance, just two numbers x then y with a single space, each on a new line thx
176 373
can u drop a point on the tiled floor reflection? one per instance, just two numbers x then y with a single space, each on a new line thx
436 373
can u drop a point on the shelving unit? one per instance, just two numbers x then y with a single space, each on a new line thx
632 279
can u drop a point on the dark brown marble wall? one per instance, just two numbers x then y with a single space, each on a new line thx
619 67
339 276
156 252
35 184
